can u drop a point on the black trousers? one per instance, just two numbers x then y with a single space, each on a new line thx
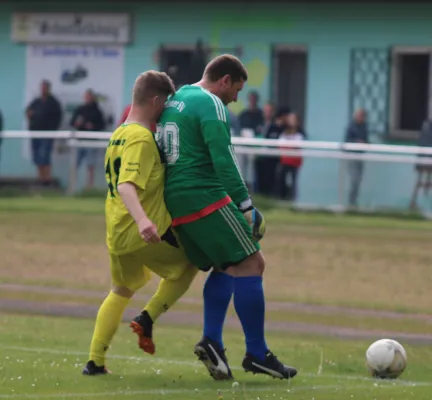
265 172
283 190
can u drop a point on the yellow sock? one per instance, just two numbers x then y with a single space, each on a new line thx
107 322
169 292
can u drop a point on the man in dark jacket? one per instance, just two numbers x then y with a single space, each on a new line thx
357 132
88 117
44 114
266 165
252 117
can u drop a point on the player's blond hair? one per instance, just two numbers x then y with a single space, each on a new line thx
150 84
226 64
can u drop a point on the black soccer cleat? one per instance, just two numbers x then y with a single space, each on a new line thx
214 359
269 366
142 325
92 369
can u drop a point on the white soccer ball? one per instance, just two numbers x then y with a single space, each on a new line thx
386 359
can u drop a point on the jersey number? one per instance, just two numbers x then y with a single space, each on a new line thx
168 140
112 175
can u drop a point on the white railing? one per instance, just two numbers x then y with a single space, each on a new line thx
254 147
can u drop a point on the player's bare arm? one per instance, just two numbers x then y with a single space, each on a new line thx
147 229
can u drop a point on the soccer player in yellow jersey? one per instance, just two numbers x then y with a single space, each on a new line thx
139 234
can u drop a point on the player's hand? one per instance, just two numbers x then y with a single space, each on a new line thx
256 222
148 231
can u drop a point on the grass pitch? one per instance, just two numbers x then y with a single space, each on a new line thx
41 358
53 253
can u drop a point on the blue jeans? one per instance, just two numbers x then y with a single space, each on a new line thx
355 171
42 151
89 155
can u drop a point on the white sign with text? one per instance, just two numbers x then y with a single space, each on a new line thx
75 28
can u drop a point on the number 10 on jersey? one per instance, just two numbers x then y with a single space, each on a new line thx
168 140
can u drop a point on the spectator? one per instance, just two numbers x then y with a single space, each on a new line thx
266 166
234 124
289 165
357 132
269 115
425 140
44 114
275 129
251 123
88 117
252 117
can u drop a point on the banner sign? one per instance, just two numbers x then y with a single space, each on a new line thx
90 28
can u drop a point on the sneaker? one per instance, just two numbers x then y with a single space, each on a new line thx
92 369
142 325
214 359
270 366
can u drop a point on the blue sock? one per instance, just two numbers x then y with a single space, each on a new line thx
249 304
217 294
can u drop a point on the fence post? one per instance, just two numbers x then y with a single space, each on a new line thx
73 158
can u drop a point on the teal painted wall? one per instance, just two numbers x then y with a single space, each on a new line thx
329 31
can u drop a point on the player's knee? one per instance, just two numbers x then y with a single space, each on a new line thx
123 291
185 275
254 265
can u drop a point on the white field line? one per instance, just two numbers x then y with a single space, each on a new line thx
239 390
196 364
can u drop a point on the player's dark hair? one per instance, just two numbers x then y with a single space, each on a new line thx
225 64
150 84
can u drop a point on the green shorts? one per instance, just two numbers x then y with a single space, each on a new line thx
221 239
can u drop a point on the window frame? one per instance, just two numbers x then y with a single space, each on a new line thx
395 133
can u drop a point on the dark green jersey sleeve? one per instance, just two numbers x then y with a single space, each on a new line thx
216 133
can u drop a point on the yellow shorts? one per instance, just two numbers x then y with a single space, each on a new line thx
132 270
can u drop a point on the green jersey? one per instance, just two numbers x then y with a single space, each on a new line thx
194 134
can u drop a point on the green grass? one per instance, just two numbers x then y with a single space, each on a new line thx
42 357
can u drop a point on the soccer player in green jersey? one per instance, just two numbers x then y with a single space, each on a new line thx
214 215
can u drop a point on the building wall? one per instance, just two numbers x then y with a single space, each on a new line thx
329 32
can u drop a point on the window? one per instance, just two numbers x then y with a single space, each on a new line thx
369 86
410 92
183 63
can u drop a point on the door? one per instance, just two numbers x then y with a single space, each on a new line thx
290 78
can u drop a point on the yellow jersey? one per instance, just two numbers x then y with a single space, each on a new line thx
133 156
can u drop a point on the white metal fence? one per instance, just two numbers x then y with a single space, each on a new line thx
248 149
